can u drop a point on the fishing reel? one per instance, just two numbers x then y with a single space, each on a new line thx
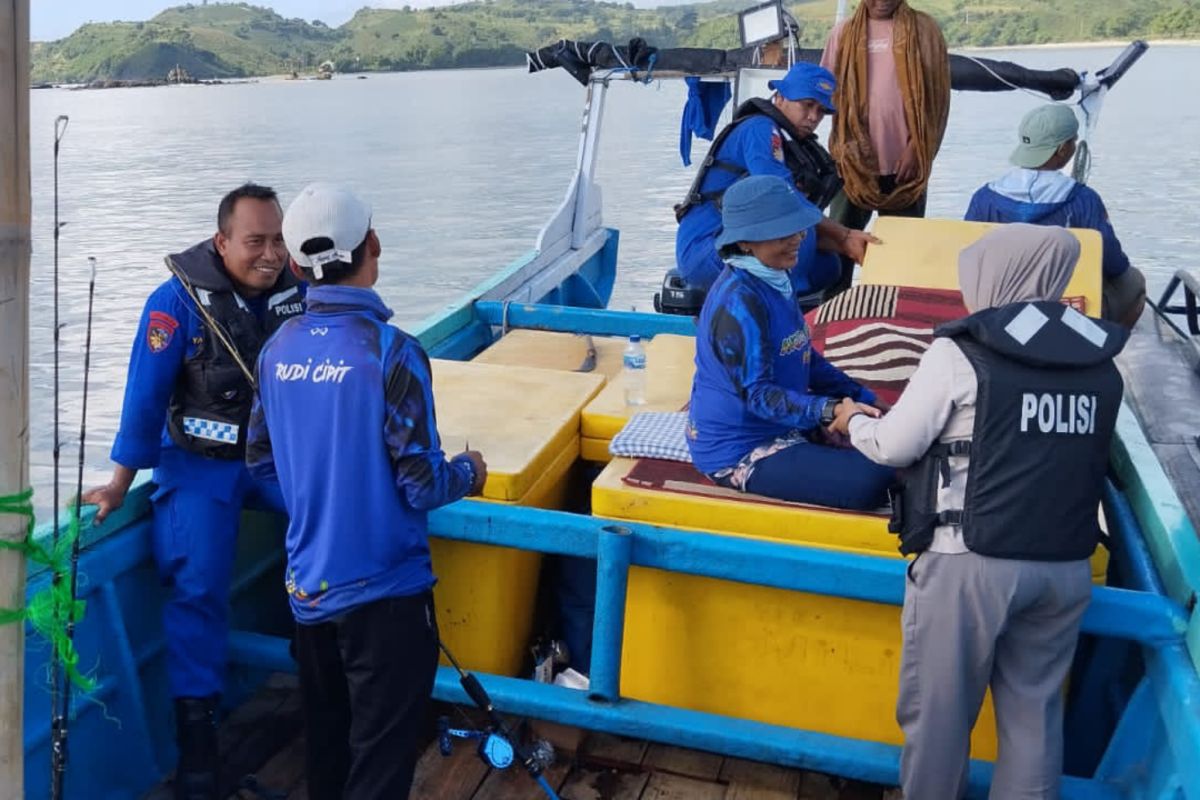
494 747
498 748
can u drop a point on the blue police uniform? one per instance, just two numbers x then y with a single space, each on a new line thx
756 146
202 482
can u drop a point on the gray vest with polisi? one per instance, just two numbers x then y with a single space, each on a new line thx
1045 411
210 405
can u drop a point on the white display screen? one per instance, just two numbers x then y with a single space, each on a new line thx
760 25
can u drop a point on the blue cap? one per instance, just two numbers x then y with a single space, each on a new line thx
763 207
805 81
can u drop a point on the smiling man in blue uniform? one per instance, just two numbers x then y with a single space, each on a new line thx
345 423
187 403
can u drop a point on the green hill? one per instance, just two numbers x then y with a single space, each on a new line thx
222 40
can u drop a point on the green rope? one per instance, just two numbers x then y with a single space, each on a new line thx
49 609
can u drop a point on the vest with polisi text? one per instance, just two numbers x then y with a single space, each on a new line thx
210 406
1045 412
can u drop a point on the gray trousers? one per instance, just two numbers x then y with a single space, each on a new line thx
971 622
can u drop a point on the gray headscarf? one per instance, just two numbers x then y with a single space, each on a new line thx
1017 263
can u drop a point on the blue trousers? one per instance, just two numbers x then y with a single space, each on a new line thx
195 541
821 475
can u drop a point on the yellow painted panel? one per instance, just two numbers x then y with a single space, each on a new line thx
554 350
670 363
595 450
520 418
821 663
486 595
843 530
924 252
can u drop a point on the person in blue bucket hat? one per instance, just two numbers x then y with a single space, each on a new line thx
771 137
762 397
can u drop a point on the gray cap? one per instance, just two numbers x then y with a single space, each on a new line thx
1042 131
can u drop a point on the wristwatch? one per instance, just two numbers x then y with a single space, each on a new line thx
828 410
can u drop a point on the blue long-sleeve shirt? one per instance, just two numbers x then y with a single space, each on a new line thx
344 420
757 145
757 374
1045 197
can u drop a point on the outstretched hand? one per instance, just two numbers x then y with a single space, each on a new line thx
854 246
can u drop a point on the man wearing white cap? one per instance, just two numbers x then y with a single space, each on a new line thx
357 492
1038 192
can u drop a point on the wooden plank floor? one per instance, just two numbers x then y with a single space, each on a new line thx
263 747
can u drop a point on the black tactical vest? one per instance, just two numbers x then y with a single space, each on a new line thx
812 168
210 406
1044 416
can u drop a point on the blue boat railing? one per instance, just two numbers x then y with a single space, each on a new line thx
1146 617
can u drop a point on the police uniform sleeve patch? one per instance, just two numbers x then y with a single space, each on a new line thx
160 330
777 145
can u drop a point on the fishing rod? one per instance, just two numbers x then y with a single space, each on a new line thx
56 677
63 712
498 747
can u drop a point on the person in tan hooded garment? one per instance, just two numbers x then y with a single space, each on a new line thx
893 100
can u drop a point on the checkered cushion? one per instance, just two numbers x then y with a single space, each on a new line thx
653 434
211 429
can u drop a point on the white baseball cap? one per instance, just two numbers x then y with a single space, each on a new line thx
324 210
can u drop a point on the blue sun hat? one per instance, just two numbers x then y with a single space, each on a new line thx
805 81
762 207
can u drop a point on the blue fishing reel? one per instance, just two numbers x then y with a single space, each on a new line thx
497 747
495 750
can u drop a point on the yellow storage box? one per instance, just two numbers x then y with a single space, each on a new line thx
525 421
554 350
787 658
670 364
924 253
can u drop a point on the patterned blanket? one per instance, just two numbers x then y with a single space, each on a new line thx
877 334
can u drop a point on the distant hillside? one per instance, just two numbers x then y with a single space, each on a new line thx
223 40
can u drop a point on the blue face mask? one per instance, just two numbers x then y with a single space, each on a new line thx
776 278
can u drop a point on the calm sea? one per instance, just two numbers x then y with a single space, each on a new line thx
462 169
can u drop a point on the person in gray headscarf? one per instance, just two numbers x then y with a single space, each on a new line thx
1002 435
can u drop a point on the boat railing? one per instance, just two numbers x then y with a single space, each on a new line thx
1190 283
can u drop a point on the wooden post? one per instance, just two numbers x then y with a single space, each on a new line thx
14 371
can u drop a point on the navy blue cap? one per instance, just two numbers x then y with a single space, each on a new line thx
763 207
805 81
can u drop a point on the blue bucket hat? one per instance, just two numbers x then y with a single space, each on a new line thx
763 207
805 81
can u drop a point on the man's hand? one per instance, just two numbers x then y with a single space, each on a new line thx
854 246
111 496
847 409
481 470
907 166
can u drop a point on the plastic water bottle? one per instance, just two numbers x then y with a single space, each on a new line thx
634 372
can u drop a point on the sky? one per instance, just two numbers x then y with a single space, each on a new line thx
54 19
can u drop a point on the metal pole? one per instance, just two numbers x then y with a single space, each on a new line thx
614 548
14 371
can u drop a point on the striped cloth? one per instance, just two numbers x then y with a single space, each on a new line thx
877 334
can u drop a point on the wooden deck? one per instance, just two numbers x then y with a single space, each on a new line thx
263 747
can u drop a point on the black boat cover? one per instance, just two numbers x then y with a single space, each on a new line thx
967 73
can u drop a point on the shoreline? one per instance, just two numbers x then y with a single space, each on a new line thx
1080 45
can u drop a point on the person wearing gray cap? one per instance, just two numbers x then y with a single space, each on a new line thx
1037 191
344 422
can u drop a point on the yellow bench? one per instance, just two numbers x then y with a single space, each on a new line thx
525 421
554 350
670 364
